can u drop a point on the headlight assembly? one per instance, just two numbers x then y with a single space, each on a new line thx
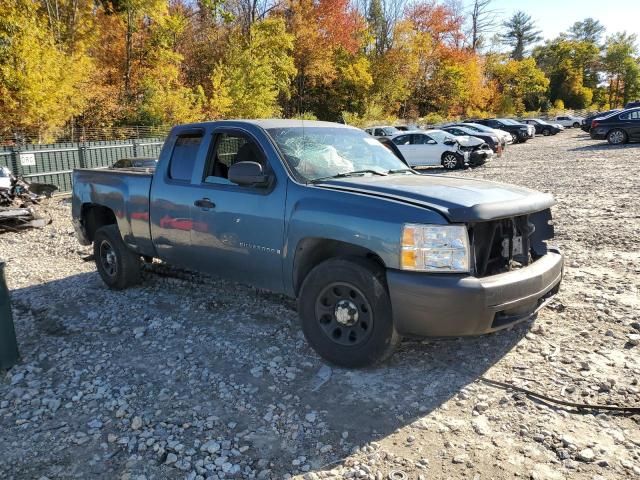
435 248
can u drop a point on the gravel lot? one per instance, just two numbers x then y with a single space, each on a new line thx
192 377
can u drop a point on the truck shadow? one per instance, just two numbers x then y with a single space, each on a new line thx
215 349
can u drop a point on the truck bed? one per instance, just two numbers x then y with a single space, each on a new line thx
126 193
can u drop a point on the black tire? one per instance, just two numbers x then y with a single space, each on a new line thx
546 132
345 311
515 138
576 125
450 161
617 137
118 266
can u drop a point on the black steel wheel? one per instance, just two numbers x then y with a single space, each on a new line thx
546 132
345 312
118 266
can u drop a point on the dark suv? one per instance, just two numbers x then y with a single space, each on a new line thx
618 128
519 132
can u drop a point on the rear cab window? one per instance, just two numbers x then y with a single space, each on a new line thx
183 156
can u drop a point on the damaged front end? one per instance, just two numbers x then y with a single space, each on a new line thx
507 244
18 201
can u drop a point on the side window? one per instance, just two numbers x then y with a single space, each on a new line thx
635 115
402 140
231 148
378 132
183 157
418 139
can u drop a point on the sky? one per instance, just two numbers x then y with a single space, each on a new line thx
555 16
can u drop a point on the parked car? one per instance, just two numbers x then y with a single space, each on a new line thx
138 162
503 135
569 121
383 131
542 126
406 128
436 147
632 104
491 140
519 132
617 128
321 212
586 125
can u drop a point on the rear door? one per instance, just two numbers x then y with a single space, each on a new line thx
428 151
171 197
408 151
632 124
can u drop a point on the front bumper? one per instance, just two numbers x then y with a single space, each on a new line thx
479 157
444 305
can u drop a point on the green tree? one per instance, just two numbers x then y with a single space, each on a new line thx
588 30
520 34
571 66
520 83
620 65
255 72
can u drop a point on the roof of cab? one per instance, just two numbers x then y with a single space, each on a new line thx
274 123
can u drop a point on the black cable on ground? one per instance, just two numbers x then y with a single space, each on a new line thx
579 406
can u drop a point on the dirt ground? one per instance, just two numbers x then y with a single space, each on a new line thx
192 377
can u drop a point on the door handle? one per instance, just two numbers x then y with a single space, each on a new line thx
204 203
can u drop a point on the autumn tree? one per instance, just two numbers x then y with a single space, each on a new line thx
520 85
41 86
520 33
621 67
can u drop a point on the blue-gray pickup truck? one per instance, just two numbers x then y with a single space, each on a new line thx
323 212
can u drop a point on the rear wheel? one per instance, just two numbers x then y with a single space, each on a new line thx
450 161
515 138
576 125
118 266
345 312
617 137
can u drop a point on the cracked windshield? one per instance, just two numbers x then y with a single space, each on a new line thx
318 153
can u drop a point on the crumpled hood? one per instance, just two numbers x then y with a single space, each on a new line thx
469 141
458 199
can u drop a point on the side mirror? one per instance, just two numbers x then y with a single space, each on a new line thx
432 142
247 173
450 142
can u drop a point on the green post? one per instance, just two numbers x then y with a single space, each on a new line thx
8 343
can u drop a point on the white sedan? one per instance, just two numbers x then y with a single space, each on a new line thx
422 148
568 121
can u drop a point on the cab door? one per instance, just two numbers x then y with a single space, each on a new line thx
238 231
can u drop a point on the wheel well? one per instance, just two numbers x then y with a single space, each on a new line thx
96 216
311 252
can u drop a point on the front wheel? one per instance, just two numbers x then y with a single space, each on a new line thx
346 313
576 125
515 138
546 132
118 266
450 161
617 137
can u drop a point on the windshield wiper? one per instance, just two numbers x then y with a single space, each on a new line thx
349 174
400 170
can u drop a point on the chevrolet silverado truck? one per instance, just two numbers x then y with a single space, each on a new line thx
322 212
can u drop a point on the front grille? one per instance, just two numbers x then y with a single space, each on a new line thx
502 245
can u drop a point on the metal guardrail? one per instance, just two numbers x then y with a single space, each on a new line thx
55 163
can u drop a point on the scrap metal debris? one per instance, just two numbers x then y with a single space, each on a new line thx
18 200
